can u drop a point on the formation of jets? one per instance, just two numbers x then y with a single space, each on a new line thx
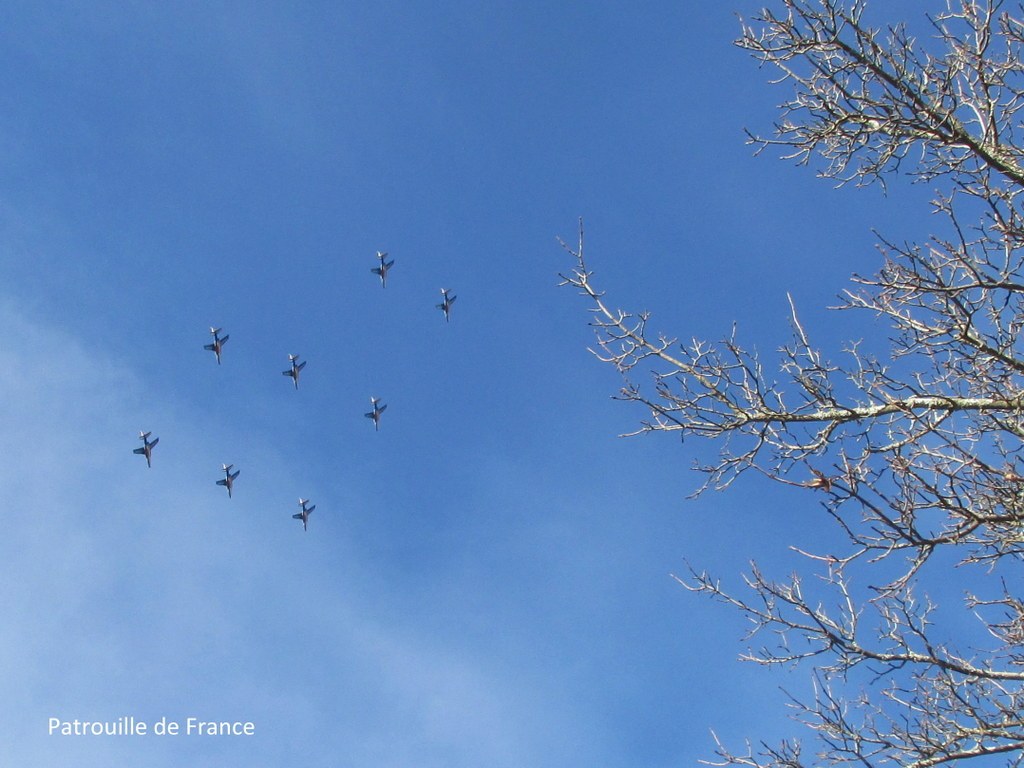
296 366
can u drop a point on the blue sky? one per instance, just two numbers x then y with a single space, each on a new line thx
486 580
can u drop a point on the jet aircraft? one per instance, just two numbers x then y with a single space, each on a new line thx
376 412
229 477
218 343
382 270
294 370
446 303
304 513
147 447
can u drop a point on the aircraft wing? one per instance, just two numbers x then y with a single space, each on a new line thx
222 482
236 474
300 366
451 299
376 270
140 451
382 409
298 516
155 441
369 415
210 347
287 373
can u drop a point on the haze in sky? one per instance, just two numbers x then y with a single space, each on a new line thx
486 580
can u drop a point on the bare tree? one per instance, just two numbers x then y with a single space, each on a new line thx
912 446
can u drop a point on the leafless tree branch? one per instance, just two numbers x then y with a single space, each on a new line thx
911 445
